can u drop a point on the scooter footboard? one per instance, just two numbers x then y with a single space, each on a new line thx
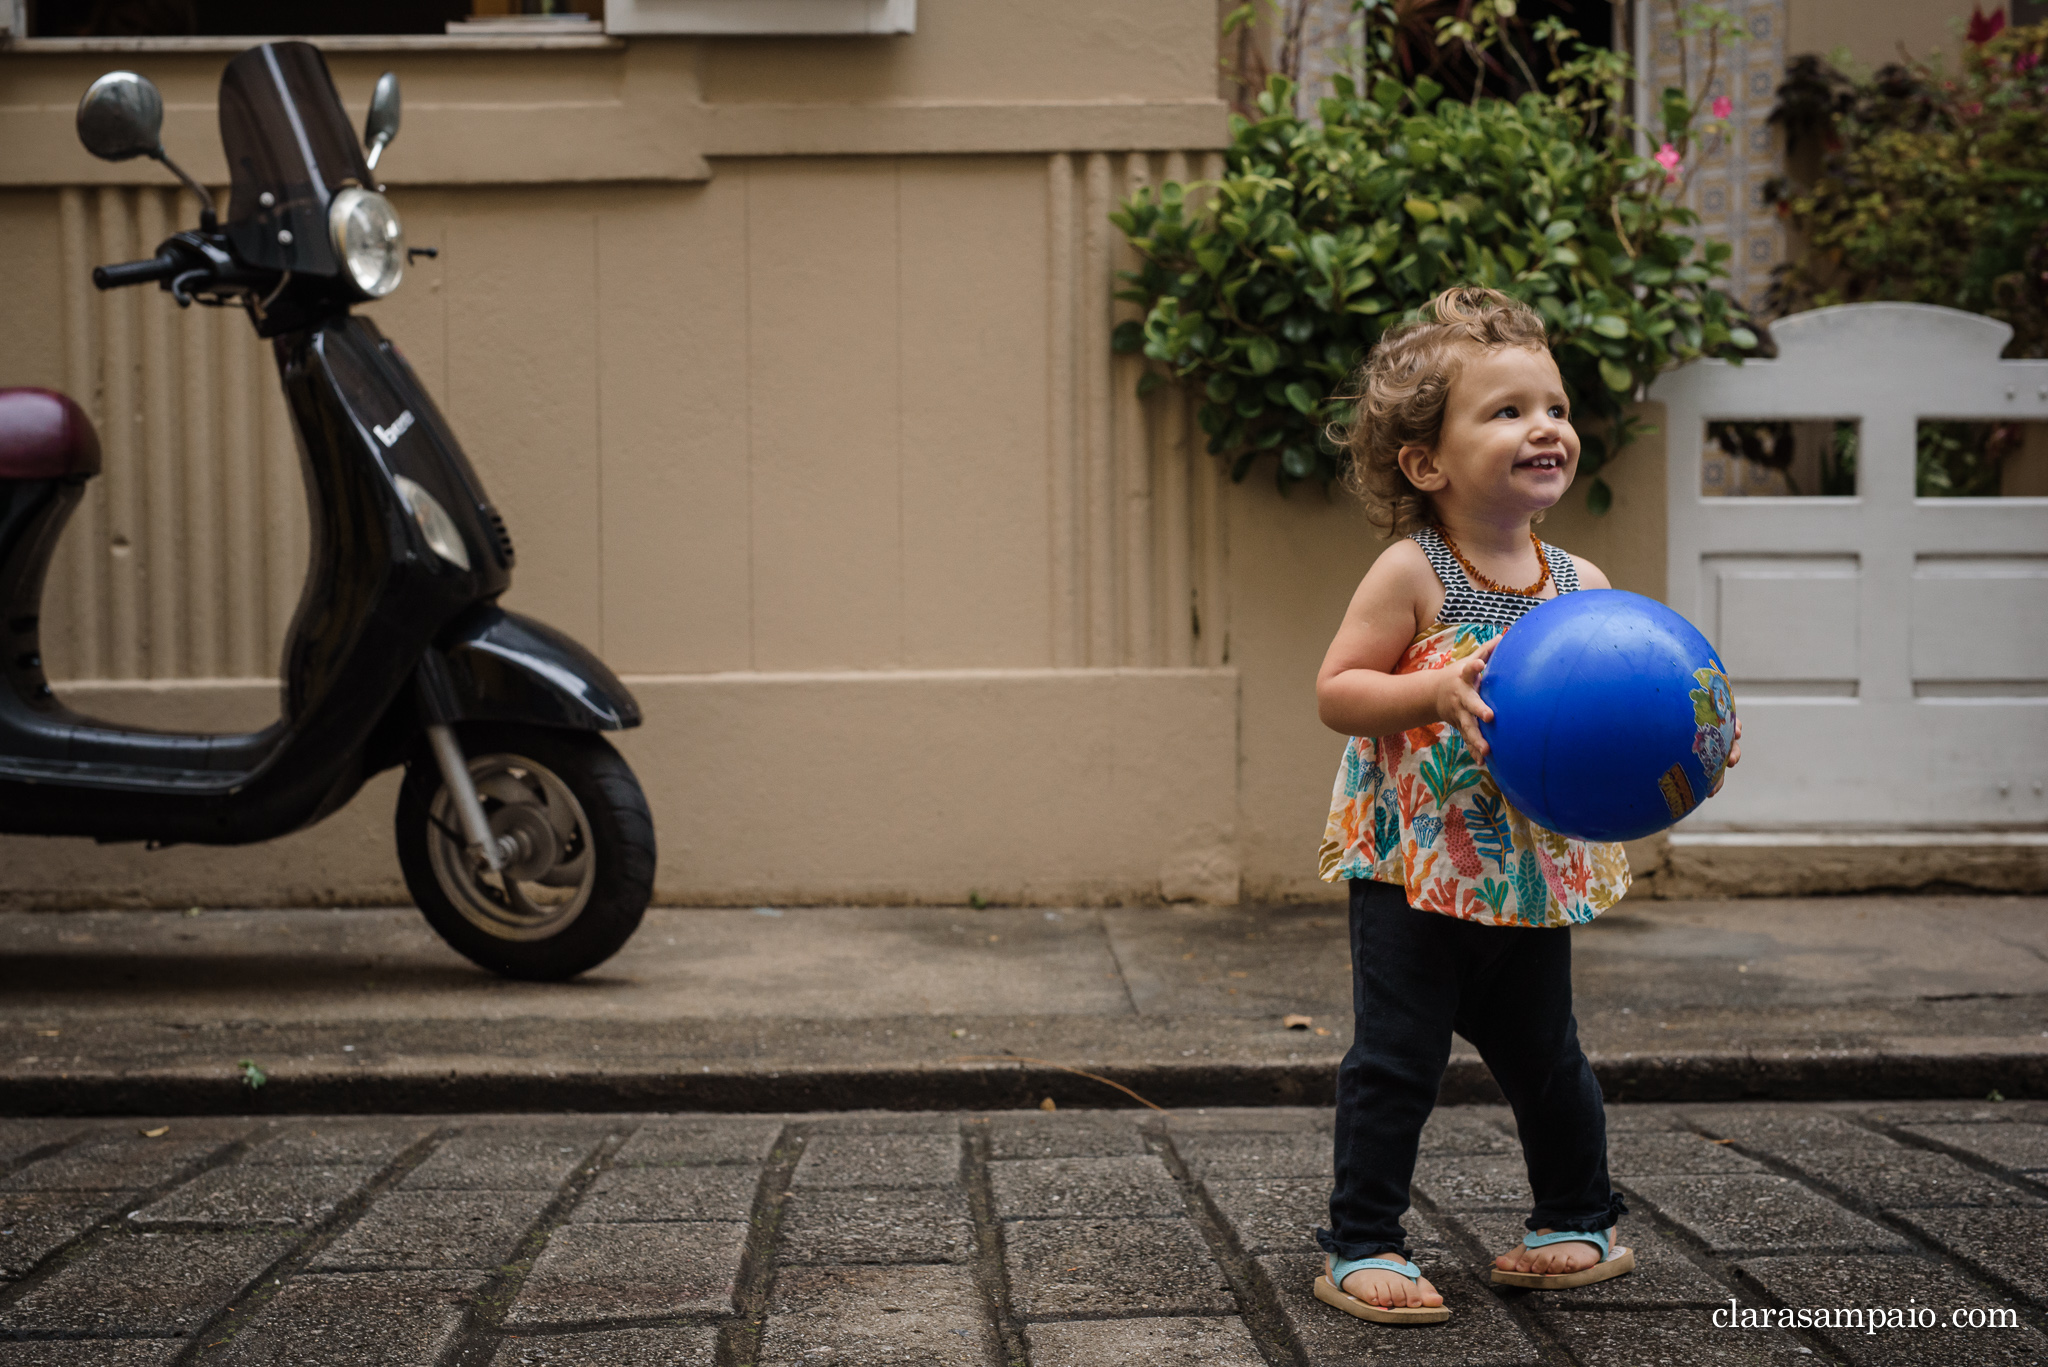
501 666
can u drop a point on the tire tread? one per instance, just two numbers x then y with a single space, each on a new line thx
621 830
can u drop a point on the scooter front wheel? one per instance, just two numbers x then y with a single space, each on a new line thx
581 867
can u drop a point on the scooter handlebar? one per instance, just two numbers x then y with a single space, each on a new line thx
160 267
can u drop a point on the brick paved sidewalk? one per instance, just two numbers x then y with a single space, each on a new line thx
1059 1239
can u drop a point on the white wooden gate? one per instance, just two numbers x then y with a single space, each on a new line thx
1889 654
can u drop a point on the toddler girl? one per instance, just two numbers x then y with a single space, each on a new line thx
1462 438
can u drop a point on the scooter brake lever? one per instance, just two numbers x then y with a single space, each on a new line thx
178 285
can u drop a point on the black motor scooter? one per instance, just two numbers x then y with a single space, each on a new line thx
523 836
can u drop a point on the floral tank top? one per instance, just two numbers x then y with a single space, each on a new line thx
1418 809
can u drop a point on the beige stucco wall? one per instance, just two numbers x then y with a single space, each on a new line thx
1873 31
787 361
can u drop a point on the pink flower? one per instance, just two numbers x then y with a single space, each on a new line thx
1667 157
1723 107
2025 62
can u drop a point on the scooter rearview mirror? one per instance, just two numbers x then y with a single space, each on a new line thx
382 125
121 116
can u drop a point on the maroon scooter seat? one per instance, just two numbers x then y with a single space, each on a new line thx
44 435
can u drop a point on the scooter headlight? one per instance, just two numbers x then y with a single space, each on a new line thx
368 239
434 523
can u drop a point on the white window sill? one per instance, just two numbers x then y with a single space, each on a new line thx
343 42
675 18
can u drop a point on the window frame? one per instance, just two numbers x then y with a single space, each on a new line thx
653 18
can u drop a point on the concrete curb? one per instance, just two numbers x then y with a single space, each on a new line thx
1846 1076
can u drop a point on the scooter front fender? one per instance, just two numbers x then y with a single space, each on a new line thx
505 667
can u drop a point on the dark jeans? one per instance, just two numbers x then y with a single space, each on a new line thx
1415 977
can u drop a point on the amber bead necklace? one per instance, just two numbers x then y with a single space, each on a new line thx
1481 581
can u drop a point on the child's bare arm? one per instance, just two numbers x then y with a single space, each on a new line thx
1357 694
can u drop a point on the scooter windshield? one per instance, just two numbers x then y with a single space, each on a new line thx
289 148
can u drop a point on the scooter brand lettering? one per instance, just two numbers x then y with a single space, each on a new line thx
390 435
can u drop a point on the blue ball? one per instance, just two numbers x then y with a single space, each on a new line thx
1611 715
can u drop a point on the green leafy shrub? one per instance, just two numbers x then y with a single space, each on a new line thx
1264 290
1931 188
1963 459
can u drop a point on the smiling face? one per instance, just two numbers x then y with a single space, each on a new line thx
1507 449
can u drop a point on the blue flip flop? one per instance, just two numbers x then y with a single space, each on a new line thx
1330 1291
1613 1262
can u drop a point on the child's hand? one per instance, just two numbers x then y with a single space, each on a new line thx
1457 697
1734 758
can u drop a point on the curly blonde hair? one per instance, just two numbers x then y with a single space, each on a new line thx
1403 385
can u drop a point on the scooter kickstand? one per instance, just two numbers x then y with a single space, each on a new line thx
455 775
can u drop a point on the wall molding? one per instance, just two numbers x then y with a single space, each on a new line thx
911 128
581 111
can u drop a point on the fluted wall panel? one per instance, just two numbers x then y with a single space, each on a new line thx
1136 541
187 555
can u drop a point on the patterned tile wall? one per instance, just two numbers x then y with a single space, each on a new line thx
1726 185
1330 39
